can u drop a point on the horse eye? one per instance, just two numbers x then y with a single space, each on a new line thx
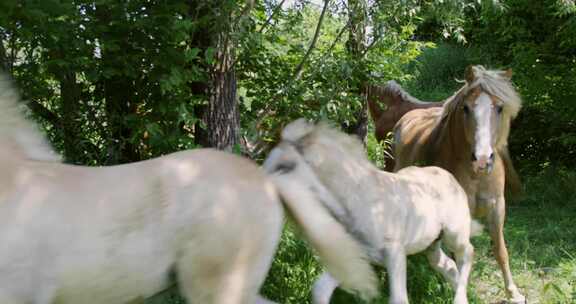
499 109
466 109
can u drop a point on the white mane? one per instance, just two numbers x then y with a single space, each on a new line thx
303 133
16 131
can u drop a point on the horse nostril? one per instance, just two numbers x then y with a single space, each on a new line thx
474 157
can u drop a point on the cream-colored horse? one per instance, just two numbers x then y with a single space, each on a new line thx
468 136
73 234
391 214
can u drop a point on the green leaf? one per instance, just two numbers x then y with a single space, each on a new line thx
154 129
246 101
209 55
191 54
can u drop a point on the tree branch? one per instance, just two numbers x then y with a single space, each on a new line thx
41 111
372 43
247 8
269 20
298 70
333 45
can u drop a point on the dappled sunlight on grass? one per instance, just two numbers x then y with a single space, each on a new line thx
542 242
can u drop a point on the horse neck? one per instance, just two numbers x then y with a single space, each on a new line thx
450 146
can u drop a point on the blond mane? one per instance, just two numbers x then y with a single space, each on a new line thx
496 84
16 131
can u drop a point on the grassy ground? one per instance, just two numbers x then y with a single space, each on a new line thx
542 243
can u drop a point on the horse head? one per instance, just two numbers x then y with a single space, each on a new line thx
484 108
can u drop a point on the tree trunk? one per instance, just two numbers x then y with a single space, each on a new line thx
357 13
119 104
5 64
70 122
118 93
221 117
360 125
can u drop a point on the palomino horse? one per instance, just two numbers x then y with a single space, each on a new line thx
468 137
397 102
391 214
73 234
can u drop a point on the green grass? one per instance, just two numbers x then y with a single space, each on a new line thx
541 239
542 244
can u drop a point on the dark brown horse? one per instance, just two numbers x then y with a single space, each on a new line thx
468 136
395 102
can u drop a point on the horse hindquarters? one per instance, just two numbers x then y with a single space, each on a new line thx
228 266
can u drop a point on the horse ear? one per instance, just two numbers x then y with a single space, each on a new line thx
470 74
506 74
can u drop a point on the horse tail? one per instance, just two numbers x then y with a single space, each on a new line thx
513 182
18 130
312 207
476 228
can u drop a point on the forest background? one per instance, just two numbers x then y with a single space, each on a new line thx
120 81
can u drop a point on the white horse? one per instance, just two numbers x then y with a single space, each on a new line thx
73 234
391 214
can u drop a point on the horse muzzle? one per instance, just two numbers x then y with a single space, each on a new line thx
483 164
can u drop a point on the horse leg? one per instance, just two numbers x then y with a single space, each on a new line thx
496 227
395 259
324 288
464 252
226 269
443 263
225 279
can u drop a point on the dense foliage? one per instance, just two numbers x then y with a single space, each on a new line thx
118 81
538 40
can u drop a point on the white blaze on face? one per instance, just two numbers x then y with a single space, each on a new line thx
483 135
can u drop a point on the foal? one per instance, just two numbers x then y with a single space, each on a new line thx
391 214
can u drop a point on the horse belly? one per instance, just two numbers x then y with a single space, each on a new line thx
422 230
134 270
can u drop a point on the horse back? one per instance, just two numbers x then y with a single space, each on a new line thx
412 136
112 234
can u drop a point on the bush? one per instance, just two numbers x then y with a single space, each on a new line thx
438 70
